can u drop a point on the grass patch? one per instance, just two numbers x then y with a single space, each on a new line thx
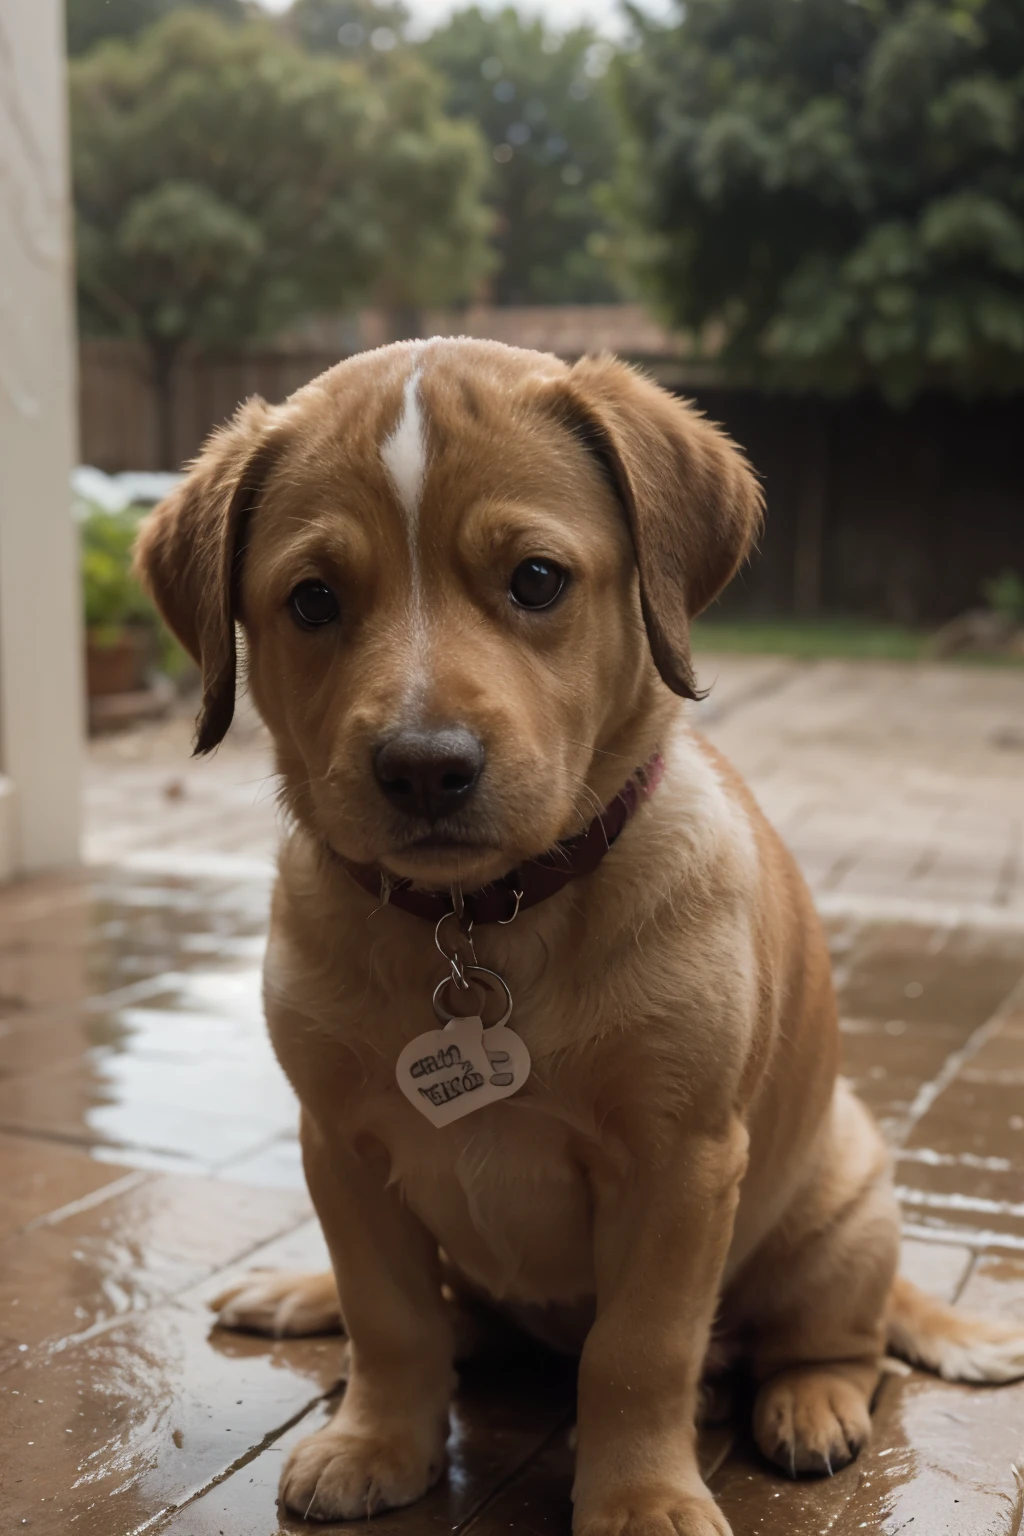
809 639
823 639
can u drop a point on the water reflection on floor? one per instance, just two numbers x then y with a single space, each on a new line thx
133 1024
147 1148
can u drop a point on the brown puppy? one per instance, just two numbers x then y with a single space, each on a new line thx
465 576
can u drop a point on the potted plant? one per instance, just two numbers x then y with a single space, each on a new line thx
122 641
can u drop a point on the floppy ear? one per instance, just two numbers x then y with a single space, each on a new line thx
693 503
188 556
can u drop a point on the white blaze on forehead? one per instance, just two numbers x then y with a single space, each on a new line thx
405 456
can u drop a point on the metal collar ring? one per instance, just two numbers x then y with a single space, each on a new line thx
498 983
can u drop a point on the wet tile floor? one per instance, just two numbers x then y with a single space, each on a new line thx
148 1153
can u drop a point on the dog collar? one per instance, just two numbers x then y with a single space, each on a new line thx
535 880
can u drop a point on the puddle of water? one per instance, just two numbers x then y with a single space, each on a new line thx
153 1049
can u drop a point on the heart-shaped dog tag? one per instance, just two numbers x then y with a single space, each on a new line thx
450 1072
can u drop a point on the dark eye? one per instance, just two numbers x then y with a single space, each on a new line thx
313 604
536 583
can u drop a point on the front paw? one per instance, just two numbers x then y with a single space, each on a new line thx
282 1304
653 1514
337 1474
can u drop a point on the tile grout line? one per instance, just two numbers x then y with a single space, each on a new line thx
172 1298
270 1438
222 1169
88 1202
930 1091
51 1135
466 1524
986 917
976 1242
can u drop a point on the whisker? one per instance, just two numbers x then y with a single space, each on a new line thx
599 751
583 788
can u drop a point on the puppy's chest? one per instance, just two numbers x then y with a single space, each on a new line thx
502 1193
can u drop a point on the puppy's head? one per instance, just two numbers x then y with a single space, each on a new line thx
464 574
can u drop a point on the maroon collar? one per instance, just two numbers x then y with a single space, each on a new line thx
533 881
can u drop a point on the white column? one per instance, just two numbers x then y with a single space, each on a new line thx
41 704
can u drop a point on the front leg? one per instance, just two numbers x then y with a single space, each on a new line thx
663 1220
385 1445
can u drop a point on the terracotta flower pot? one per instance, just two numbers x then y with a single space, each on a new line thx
116 663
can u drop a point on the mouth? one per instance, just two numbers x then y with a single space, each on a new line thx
440 842
438 855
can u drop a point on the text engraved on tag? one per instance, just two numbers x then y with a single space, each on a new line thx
444 1058
451 1072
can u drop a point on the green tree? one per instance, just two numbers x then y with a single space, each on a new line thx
365 29
834 191
90 21
542 100
226 182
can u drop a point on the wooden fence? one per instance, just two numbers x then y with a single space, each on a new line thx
894 514
118 410
118 426
901 515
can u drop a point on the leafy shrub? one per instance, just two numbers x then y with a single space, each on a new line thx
112 598
1005 596
832 191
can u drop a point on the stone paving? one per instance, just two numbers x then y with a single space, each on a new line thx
899 787
147 1148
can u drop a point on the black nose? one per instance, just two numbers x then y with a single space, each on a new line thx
429 773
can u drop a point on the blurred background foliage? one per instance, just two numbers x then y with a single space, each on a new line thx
360 29
826 194
832 191
91 21
227 182
112 597
546 104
